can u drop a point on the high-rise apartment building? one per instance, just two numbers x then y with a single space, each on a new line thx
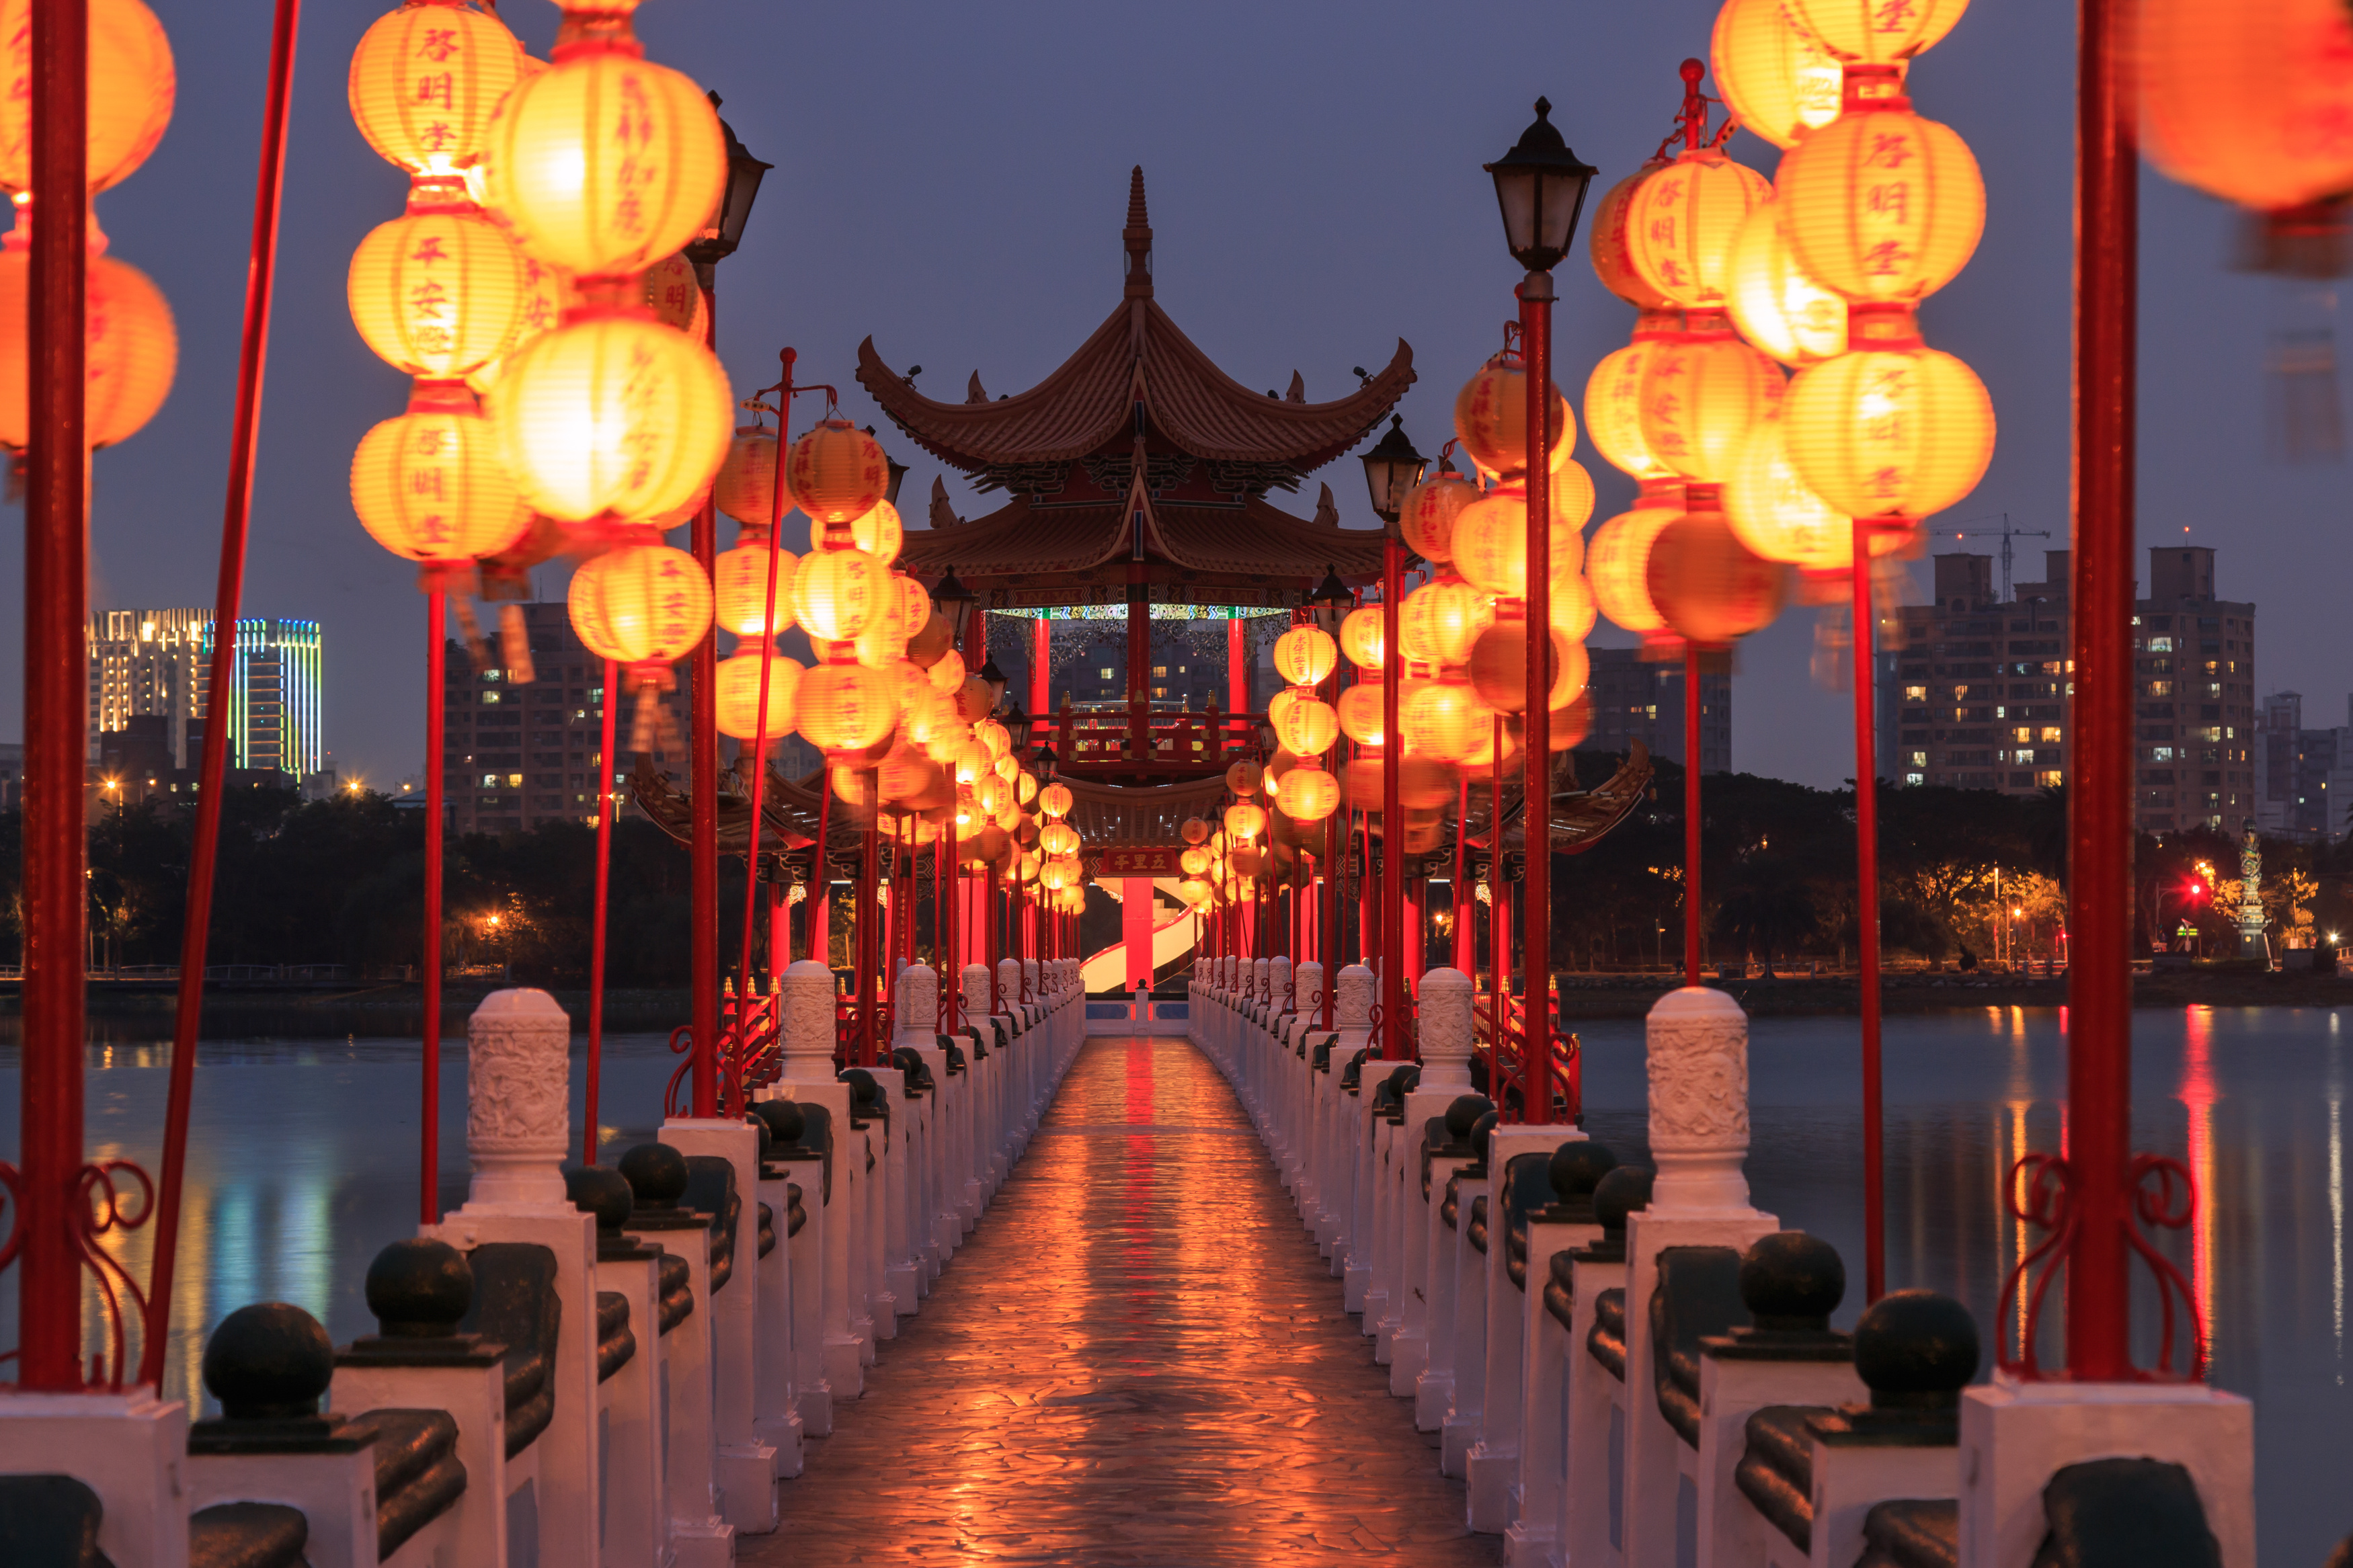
1983 692
275 699
145 662
2304 778
1636 699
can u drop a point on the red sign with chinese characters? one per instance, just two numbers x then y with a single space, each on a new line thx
1152 861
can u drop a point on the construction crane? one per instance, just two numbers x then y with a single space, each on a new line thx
2006 533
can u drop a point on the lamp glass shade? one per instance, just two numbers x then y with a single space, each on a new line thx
1540 189
1392 468
954 600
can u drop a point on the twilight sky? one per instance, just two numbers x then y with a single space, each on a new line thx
952 179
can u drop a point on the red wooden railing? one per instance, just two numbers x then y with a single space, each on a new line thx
1180 745
1500 1039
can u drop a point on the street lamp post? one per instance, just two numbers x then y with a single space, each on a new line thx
1540 188
1392 468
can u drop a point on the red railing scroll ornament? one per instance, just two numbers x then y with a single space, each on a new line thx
101 1208
2040 1192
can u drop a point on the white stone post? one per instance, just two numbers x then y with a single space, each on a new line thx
1352 1016
805 1026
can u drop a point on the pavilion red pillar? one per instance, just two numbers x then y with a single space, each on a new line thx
1041 664
1135 928
1238 691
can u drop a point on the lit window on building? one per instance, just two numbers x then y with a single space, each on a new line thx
1915 694
2049 778
2050 733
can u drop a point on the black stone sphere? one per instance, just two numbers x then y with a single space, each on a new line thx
1619 1193
863 1090
269 1362
783 1120
1479 1074
419 1287
1487 1122
1792 1281
656 1173
603 1192
1464 1113
907 1059
1402 1077
1577 1167
766 1140
1916 1348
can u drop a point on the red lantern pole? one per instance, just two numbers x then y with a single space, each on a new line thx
1535 815
597 936
869 871
1866 915
2100 826
1499 928
702 775
1690 814
253 349
56 590
429 1197
1392 916
1327 929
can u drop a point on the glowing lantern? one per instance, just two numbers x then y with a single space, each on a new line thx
425 79
1196 893
1009 768
1194 830
429 486
1613 403
1245 820
845 708
611 416
1890 433
1361 639
997 739
1055 800
1778 517
973 699
1874 32
1680 223
1882 205
1700 399
1499 668
1711 587
1426 522
1305 655
1194 861
739 694
674 294
992 793
546 293
746 487
1572 606
1439 621
131 88
1309 795
837 472
2248 102
438 292
130 346
884 640
1619 565
1361 717
640 604
1491 537
741 583
1443 720
1055 875
838 593
947 674
1607 244
1491 418
605 162
1309 728
1244 778
1059 839
1776 79
1776 304
879 532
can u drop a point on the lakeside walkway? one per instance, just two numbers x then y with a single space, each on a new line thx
1137 1358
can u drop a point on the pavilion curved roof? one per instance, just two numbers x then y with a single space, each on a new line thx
1249 539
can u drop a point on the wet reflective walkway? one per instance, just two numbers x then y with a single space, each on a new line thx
1137 1358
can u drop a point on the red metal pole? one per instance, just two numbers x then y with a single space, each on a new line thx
1392 916
703 774
2100 829
821 899
1041 666
1691 815
56 596
995 993
253 349
1866 915
1327 931
950 875
1536 906
868 872
598 935
1465 941
428 1198
1499 928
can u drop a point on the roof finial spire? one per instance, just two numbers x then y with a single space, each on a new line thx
1137 235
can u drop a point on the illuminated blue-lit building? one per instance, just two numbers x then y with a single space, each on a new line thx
274 700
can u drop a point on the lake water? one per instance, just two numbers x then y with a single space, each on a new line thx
303 1162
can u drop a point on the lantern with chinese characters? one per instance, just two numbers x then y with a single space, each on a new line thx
1617 565
1712 588
845 708
837 472
672 292
1243 778
1572 606
1055 801
1613 402
1305 655
745 489
740 579
1499 668
1439 621
1196 892
1607 244
1363 718
130 347
439 291
1426 522
1874 32
1059 839
1361 637
1443 721
611 416
1309 727
1309 795
1491 419
425 80
1681 220
739 694
1776 303
1701 396
131 88
605 163
1195 831
1245 820
1881 205
1889 432
644 607
836 593
1491 537
428 485
1776 79
879 532
2249 102
547 294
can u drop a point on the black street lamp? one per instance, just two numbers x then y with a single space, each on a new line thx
996 683
1329 602
724 232
1540 185
955 603
1392 468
